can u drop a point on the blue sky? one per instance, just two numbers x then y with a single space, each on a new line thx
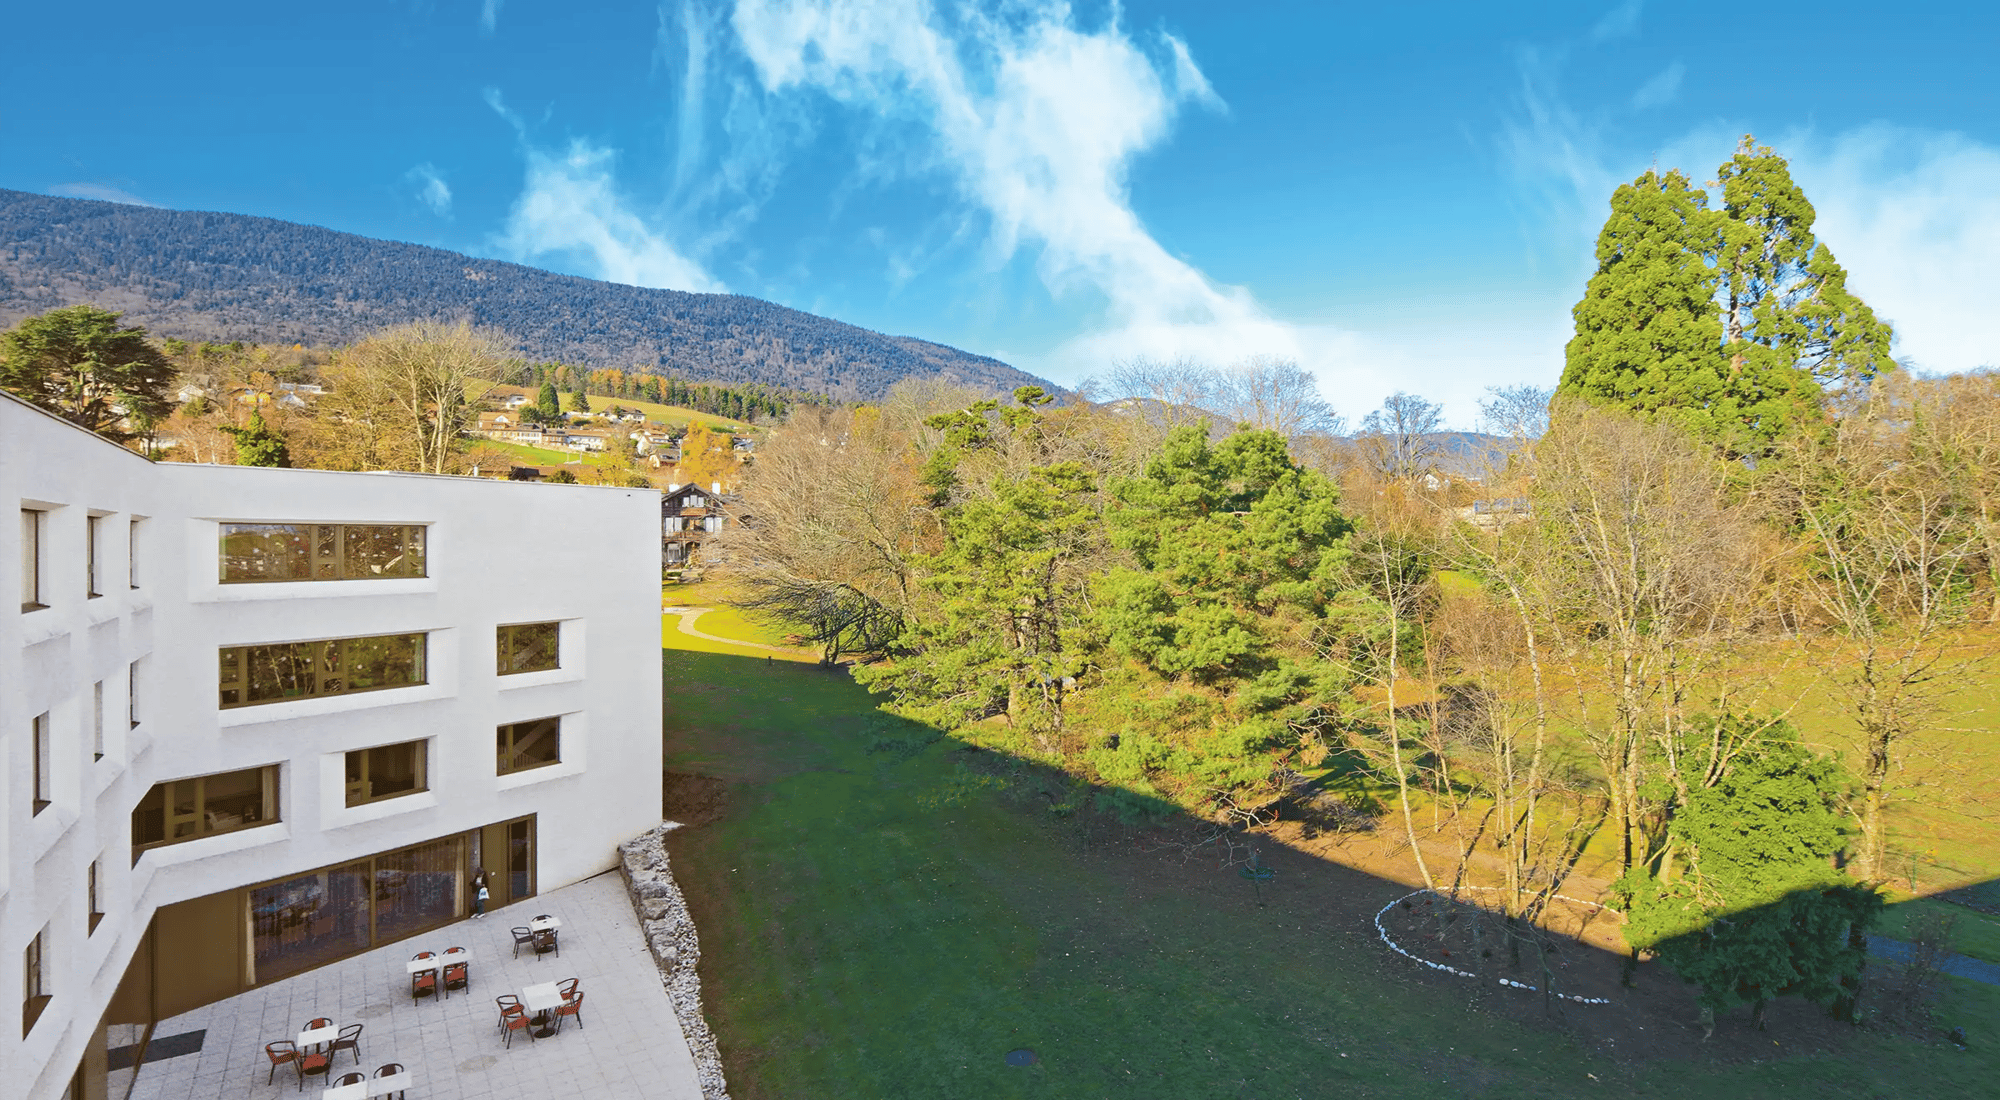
1398 196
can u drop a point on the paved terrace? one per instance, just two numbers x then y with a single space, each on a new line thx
630 1044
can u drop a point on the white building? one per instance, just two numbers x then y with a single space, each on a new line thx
256 720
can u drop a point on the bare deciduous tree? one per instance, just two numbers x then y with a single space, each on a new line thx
1517 412
1276 395
1401 439
400 399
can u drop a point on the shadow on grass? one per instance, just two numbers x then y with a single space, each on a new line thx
889 911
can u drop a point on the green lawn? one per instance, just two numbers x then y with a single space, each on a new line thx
672 415
882 917
538 456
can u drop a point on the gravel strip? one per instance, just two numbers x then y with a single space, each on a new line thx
669 930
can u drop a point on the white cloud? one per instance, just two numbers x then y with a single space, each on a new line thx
489 15
1037 121
431 189
102 192
1914 216
1661 90
570 206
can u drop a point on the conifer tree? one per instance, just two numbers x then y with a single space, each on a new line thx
258 445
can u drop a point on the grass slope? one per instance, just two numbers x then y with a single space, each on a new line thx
879 920
671 415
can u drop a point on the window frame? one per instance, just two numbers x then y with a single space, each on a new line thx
93 558
505 645
35 994
268 790
507 752
34 531
44 763
97 721
326 551
422 748
132 556
323 664
94 895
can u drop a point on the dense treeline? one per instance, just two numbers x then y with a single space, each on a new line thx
750 403
229 277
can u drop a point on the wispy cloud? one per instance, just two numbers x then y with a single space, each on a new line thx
431 188
1620 22
1914 216
103 192
570 207
489 15
1661 90
1036 120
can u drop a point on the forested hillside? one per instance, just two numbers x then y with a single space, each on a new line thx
225 277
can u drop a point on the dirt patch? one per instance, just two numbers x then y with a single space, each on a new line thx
693 799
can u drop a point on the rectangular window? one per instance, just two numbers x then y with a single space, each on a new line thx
35 990
525 745
44 763
254 674
529 647
95 899
385 771
132 556
258 552
97 720
206 805
132 694
31 560
91 557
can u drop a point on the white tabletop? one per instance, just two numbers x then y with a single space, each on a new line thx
542 998
346 1092
543 924
395 1082
418 966
317 1036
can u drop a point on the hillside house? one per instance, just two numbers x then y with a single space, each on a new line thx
690 515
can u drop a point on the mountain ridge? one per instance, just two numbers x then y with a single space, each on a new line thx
207 275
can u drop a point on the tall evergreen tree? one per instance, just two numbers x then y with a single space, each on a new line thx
1725 321
547 403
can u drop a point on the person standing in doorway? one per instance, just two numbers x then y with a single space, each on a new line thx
479 899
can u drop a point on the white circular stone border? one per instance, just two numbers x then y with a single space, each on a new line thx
1509 982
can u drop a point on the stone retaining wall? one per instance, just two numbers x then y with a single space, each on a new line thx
669 931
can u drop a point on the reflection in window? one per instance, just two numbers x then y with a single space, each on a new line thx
189 809
418 888
253 674
309 920
529 647
525 745
253 552
385 771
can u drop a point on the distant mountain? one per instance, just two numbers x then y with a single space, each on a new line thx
223 277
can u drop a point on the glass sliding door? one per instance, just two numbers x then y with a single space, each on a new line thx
419 888
309 920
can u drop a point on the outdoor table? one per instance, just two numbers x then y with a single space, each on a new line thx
313 1038
541 1000
544 924
383 1086
418 966
346 1092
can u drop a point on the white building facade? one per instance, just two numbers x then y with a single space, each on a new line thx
257 720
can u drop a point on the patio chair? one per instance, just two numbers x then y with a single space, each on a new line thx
423 984
349 1039
350 1079
567 987
310 1062
570 1007
283 1053
390 1070
456 975
515 1019
547 941
522 935
509 1004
